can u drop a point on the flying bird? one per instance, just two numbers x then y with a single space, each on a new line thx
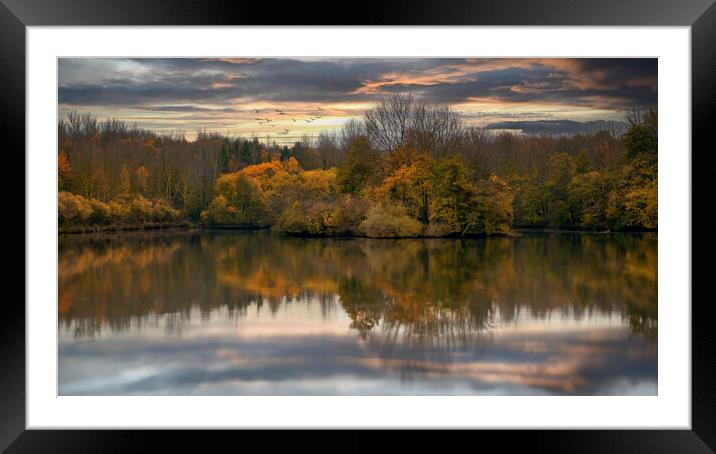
257 110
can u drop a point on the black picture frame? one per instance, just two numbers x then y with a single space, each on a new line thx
700 15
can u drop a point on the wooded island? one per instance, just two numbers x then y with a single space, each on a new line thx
407 169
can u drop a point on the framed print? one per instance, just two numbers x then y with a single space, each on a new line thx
389 223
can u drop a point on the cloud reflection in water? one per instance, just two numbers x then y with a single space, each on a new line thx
231 313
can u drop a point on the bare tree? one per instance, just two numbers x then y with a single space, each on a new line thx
351 131
327 145
387 124
436 129
401 120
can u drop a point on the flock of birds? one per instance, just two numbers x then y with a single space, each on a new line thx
271 123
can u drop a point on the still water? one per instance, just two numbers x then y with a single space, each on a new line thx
238 313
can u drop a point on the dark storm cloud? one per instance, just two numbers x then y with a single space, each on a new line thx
613 84
215 81
542 84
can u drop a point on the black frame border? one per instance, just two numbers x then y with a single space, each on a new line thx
700 15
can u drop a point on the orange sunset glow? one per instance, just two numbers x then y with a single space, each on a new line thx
291 99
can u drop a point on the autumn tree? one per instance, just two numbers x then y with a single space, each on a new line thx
409 179
142 178
451 194
589 198
420 159
360 168
493 212
63 169
238 201
125 181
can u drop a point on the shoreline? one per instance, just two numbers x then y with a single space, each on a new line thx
188 225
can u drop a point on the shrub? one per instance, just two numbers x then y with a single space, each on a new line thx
311 220
73 209
78 211
118 212
217 212
389 220
347 214
140 210
436 229
164 212
100 212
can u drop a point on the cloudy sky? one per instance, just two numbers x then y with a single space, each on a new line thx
316 94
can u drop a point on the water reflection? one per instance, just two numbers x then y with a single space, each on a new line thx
252 313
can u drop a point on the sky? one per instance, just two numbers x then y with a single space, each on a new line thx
304 96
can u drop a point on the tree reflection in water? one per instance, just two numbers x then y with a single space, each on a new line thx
423 292
224 311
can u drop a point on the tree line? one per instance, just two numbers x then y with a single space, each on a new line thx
408 168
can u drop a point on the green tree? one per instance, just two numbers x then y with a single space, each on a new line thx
493 212
560 169
642 136
451 194
589 199
582 161
360 167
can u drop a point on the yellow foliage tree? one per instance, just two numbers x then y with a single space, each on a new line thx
410 183
125 181
142 176
292 165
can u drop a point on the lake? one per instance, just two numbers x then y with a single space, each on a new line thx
225 312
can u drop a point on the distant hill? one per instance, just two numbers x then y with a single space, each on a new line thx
560 127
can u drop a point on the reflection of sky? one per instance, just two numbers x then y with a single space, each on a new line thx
307 348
